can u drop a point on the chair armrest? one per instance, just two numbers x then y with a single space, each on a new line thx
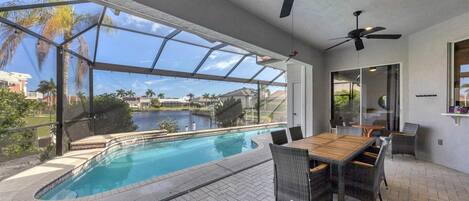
319 168
370 154
362 164
402 134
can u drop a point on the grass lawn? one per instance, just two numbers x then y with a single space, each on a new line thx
44 130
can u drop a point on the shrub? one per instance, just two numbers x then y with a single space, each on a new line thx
14 107
168 125
47 153
229 112
113 115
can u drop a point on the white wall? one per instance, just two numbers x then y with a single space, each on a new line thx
423 56
428 74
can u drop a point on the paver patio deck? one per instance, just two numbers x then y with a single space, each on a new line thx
409 180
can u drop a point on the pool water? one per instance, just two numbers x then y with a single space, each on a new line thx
133 164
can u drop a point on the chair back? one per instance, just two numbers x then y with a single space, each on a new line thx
333 123
348 130
296 133
410 128
379 163
291 166
279 137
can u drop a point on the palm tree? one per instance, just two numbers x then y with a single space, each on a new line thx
191 96
150 93
160 95
121 93
130 93
49 88
206 97
213 97
58 21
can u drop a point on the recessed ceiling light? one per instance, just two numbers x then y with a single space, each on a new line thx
372 69
368 28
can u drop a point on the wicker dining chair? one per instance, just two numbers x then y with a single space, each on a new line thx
296 133
279 137
405 142
348 130
371 155
363 180
294 179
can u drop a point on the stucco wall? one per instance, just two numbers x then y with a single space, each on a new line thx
423 56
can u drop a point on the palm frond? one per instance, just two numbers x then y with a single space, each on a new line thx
12 37
59 23
9 45
82 66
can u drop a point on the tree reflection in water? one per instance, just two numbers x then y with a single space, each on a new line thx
229 144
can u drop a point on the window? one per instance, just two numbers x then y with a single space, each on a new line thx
460 80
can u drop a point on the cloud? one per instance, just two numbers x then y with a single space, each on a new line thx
141 23
156 81
145 61
225 63
155 27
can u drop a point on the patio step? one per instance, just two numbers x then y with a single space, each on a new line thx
103 141
83 146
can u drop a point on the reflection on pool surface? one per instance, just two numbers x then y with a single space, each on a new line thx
133 164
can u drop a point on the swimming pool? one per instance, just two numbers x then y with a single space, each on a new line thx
132 164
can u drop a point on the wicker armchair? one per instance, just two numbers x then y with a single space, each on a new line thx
371 155
279 137
296 133
348 130
294 179
363 180
405 142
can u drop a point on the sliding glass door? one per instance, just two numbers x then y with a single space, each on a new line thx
346 97
366 96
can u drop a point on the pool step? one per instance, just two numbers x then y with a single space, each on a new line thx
83 146
103 141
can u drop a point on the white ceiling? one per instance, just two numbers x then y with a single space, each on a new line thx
317 21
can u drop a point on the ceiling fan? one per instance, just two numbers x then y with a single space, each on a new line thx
359 33
286 8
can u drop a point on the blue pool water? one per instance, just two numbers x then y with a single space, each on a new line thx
133 164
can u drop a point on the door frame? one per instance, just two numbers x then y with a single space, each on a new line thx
401 97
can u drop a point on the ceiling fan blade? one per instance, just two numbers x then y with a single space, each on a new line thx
286 8
359 44
337 44
383 36
371 30
339 38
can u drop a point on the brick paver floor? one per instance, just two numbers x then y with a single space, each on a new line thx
408 180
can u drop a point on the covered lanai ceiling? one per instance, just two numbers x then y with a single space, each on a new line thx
317 21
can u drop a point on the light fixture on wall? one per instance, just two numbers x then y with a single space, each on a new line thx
372 69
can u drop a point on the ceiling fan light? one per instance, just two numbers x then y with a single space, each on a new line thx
368 28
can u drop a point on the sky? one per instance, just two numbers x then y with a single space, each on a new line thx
128 48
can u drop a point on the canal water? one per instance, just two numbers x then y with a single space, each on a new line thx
151 119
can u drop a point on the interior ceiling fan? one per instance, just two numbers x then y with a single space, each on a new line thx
359 33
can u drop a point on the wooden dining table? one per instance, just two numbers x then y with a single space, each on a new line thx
335 150
368 129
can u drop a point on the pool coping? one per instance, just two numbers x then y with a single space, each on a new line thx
160 188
